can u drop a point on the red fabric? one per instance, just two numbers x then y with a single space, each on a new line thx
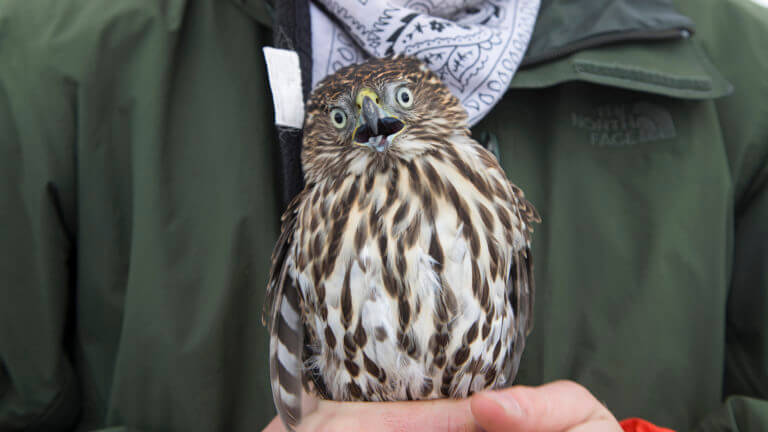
640 425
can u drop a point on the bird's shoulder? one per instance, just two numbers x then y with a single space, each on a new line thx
481 168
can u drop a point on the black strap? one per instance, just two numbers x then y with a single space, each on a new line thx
292 31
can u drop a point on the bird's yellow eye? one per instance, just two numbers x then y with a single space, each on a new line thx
404 97
338 118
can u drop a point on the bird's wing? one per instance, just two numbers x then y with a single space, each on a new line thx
527 210
521 287
282 307
520 291
529 216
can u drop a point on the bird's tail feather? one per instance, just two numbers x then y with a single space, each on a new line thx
285 354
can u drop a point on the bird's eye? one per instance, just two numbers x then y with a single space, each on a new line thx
404 97
338 118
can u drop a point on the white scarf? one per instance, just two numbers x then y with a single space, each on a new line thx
475 46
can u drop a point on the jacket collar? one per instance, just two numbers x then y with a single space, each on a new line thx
675 68
607 44
259 10
564 27
643 46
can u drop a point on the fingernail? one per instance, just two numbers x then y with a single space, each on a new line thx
508 403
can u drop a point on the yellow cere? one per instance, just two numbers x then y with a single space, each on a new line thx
363 93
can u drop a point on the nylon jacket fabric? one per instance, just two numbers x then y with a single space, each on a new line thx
139 203
568 25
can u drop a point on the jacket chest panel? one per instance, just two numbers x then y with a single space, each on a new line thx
640 185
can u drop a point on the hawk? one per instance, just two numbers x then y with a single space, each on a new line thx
403 270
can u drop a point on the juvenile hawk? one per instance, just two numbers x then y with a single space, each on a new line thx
403 270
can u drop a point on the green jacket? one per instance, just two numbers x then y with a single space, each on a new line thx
139 205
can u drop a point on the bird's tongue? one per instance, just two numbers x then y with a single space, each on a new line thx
378 142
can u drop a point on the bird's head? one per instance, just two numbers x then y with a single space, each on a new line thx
383 108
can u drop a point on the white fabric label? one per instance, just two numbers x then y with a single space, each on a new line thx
285 80
475 46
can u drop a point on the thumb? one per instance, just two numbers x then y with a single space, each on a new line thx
555 407
276 425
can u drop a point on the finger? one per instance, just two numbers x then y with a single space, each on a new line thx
603 425
552 407
274 426
441 415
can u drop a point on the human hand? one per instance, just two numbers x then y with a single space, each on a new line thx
449 415
558 406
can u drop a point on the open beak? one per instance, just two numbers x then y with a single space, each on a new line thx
375 128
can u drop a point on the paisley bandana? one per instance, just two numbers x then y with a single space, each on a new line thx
475 46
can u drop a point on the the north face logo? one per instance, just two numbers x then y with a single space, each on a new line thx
626 125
